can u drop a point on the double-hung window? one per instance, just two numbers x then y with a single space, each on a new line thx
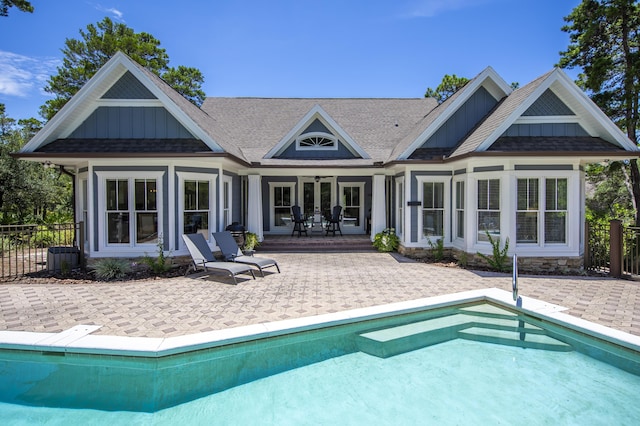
196 206
555 213
459 209
132 208
527 214
488 209
535 222
432 209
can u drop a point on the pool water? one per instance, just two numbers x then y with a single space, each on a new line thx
454 380
457 382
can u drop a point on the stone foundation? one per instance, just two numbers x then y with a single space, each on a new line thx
531 265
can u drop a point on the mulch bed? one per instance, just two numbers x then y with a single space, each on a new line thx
79 276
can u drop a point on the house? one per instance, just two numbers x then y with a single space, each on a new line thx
489 161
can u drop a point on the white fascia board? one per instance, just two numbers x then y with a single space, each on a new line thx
316 112
59 122
584 100
488 78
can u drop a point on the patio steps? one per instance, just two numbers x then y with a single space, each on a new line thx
316 243
484 323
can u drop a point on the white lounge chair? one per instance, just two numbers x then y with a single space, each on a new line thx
231 252
203 258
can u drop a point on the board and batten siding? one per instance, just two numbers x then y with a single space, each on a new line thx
131 123
462 121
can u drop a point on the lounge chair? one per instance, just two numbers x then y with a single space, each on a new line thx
231 252
203 258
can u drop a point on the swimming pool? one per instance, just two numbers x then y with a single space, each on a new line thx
461 360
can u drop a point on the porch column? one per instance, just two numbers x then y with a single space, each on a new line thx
254 206
378 209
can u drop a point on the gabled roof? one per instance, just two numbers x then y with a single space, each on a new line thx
89 96
513 107
257 125
317 113
488 79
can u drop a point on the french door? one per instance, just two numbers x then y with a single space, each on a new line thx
317 197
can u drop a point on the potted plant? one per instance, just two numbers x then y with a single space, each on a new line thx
386 240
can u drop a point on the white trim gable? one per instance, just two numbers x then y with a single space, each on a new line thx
488 78
88 99
317 113
588 115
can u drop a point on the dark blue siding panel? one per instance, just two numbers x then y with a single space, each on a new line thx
316 126
546 129
128 87
462 121
130 123
548 104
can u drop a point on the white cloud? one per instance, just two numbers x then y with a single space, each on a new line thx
21 75
117 14
431 8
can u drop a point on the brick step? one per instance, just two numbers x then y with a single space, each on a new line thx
316 244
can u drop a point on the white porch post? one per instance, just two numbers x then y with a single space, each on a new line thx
378 210
254 206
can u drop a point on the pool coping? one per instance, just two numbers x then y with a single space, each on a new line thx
79 339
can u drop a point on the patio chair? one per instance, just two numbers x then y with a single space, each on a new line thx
231 252
299 222
202 258
334 221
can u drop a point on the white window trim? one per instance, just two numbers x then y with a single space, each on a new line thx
446 214
103 176
226 180
272 186
316 148
471 233
401 208
454 213
341 186
542 208
184 176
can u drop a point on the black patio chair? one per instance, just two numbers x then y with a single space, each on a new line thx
334 221
299 222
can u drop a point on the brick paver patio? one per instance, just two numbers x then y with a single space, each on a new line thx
310 284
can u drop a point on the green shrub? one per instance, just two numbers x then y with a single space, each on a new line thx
160 264
499 261
112 269
250 241
386 240
437 249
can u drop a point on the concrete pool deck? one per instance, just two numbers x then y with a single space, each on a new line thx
310 284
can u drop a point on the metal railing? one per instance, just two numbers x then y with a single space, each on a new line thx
597 247
631 251
30 249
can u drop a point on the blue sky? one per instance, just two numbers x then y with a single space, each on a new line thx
299 48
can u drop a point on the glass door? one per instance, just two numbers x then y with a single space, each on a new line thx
352 202
317 200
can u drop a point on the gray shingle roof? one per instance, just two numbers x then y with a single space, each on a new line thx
198 115
256 125
151 146
554 144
